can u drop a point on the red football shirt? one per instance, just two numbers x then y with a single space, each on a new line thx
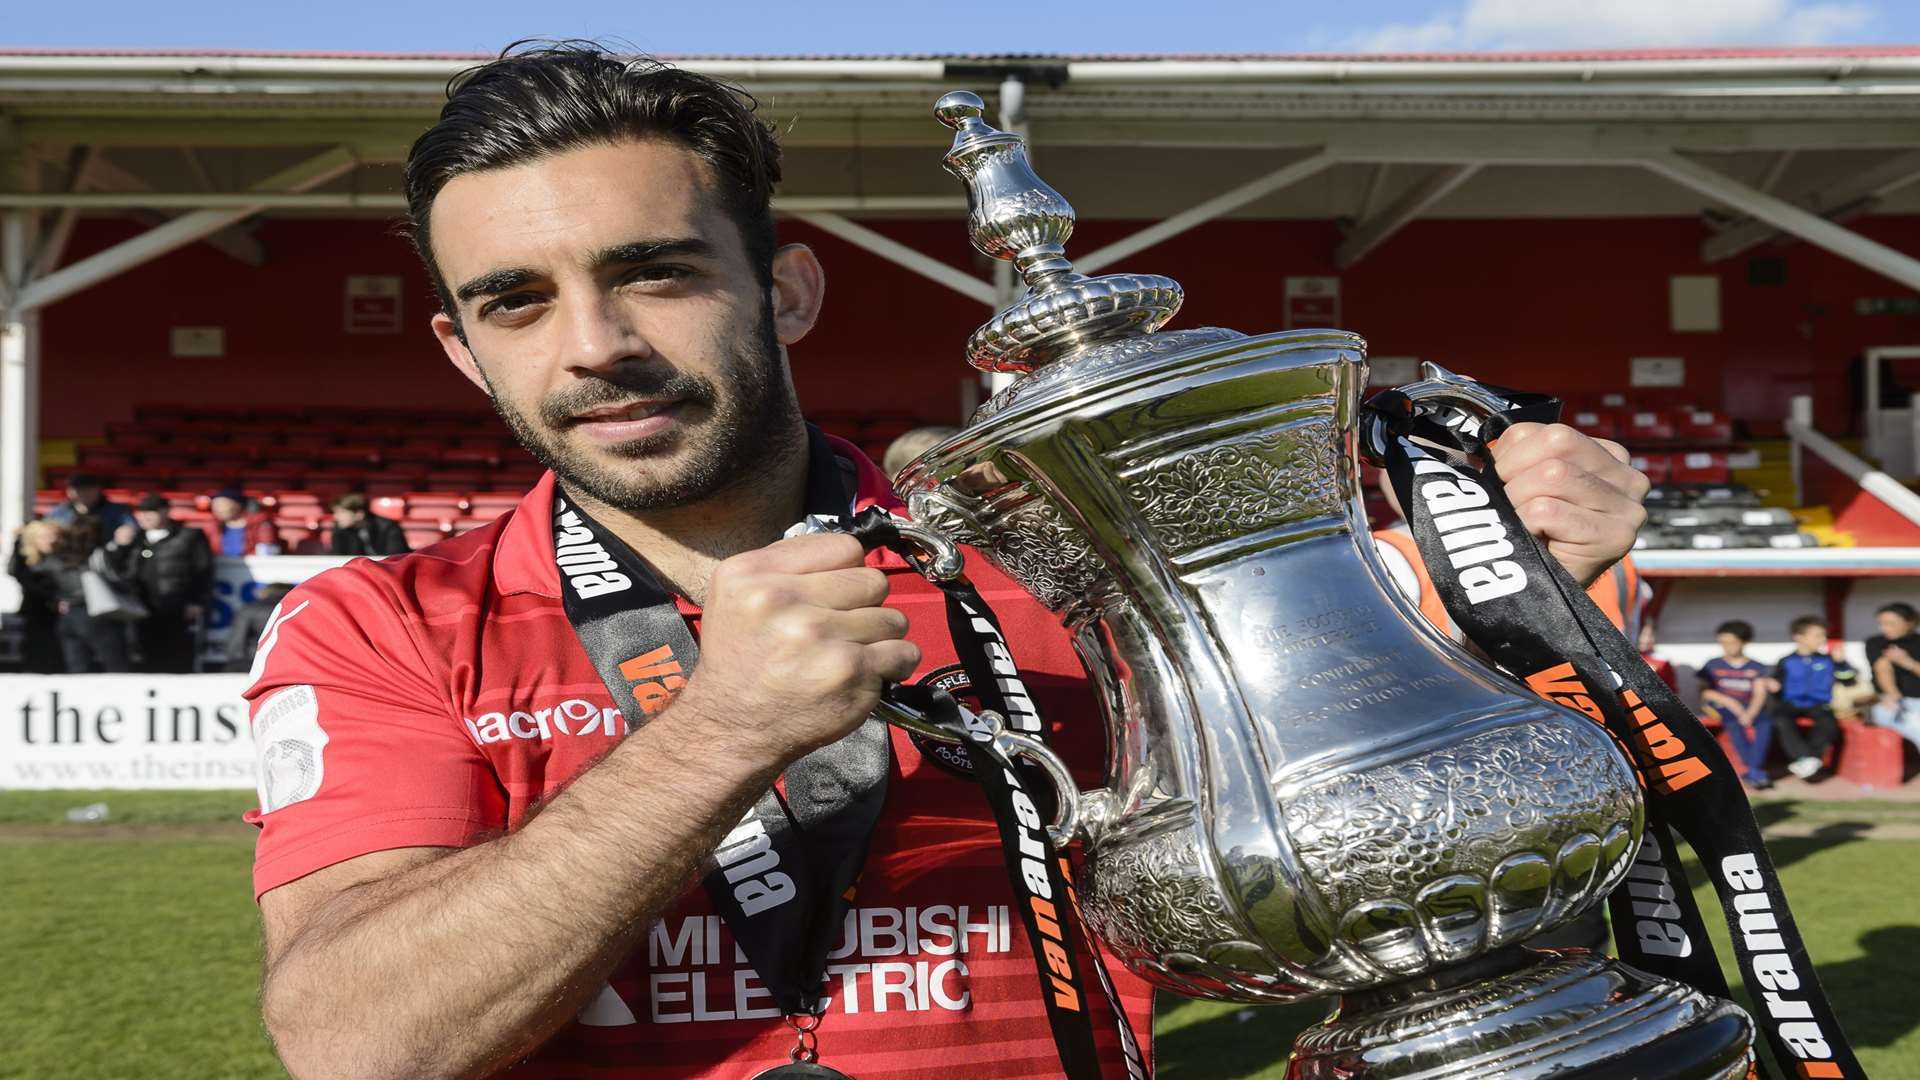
431 699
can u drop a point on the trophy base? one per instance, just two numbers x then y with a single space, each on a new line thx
1526 1013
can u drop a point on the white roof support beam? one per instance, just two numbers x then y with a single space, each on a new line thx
899 254
1788 218
1840 200
1370 233
53 239
1226 202
19 391
233 241
177 233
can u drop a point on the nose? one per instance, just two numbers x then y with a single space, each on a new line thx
599 333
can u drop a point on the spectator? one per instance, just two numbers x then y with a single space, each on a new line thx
902 451
1804 681
238 528
250 622
39 598
87 644
1663 668
172 568
1894 657
86 497
357 532
1736 692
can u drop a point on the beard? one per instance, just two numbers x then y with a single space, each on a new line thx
748 427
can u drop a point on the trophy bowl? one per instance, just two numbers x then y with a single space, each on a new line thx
1311 790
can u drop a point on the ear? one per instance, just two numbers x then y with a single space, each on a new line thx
799 287
457 351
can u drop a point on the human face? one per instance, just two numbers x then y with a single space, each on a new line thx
225 509
88 497
150 519
1893 626
1730 646
345 518
1811 640
610 311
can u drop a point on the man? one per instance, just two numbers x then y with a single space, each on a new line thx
358 532
86 496
462 864
1893 655
172 568
237 529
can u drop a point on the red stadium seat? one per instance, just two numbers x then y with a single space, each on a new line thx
1701 467
1600 425
455 481
102 458
471 455
491 504
1703 427
419 537
1647 426
307 440
387 506
1658 467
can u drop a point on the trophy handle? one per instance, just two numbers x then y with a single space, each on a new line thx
939 559
988 730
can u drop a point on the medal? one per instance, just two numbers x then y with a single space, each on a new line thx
801 1070
804 1059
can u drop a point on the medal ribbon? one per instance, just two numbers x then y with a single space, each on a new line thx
1519 605
784 878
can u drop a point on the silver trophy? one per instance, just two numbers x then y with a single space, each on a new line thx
1313 792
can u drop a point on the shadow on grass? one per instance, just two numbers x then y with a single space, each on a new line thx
1236 1043
1787 850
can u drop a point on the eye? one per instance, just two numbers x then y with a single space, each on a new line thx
510 305
654 272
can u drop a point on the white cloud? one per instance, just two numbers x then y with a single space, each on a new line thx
1591 24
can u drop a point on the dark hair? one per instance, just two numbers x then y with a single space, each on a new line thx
1738 628
1805 622
542 98
79 537
352 501
1904 610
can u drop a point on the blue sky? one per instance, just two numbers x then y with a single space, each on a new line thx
881 26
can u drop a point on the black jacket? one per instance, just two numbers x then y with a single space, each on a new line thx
172 572
375 535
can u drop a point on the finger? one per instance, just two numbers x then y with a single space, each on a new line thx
1556 478
891 661
1575 532
809 554
1526 445
841 590
864 627
1542 443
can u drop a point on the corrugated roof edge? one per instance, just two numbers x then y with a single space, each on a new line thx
1531 56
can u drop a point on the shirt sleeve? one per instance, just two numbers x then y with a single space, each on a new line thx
356 748
1875 646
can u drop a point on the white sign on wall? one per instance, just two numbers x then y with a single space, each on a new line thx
197 341
1657 371
124 731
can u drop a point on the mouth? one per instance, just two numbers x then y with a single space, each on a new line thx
626 421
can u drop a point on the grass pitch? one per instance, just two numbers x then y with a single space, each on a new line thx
131 947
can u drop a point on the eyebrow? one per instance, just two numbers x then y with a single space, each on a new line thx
496 282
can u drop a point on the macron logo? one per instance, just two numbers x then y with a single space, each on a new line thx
583 561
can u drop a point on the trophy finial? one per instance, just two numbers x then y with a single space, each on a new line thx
1011 212
1013 215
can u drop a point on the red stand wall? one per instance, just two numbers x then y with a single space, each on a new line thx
1557 305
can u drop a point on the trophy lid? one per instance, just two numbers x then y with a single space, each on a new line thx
1013 215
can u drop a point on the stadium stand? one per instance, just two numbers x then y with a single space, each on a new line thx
437 474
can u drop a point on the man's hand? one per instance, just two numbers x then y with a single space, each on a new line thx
1576 493
795 646
125 535
1900 657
